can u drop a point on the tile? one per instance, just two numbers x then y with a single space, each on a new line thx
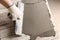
6 32
24 37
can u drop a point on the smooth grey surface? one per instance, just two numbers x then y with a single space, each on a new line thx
36 19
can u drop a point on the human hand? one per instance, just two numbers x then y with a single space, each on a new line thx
16 13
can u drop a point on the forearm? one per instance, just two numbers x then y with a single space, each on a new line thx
12 8
6 3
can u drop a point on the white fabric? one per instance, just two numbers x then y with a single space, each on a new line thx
17 13
18 28
19 23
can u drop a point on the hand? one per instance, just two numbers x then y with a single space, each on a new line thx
16 13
